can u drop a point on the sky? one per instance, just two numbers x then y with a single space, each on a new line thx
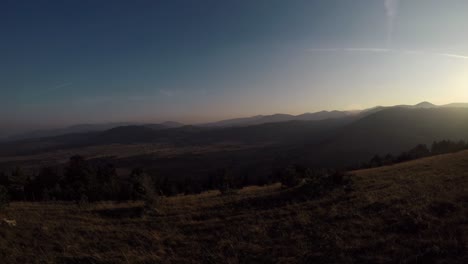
88 61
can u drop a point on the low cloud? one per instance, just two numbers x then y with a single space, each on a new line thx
381 50
61 86
377 50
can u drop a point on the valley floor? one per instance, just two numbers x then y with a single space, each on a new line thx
415 212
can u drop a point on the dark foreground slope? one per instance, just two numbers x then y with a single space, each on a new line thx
414 212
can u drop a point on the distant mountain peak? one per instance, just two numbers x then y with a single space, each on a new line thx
172 124
425 104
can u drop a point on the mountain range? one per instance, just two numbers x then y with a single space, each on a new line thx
262 119
323 138
236 122
84 128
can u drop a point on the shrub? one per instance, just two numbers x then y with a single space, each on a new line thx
4 198
224 181
323 181
144 189
78 179
289 177
339 178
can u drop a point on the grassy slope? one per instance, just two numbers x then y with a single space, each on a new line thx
414 212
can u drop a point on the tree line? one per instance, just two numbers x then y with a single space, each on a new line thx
84 180
419 151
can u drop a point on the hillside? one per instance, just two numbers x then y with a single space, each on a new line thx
264 119
86 128
82 128
412 212
392 130
281 133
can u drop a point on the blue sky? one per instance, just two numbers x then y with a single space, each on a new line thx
87 61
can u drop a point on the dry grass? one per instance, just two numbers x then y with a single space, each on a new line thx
413 212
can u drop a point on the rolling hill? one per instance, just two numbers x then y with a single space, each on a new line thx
340 141
395 130
260 119
322 115
86 128
82 128
276 133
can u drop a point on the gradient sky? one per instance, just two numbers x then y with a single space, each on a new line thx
87 61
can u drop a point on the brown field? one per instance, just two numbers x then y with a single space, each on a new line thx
415 212
120 151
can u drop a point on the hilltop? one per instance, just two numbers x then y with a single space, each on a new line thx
412 212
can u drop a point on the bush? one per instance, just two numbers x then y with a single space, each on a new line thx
4 198
323 181
289 177
339 178
224 181
144 189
